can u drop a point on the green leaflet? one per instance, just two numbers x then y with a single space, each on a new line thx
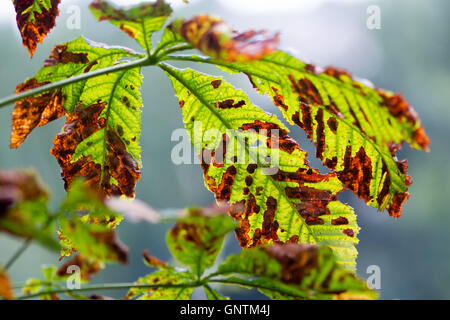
101 137
196 241
293 271
166 276
138 22
357 129
70 59
288 203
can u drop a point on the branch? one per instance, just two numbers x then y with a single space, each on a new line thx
247 283
59 84
111 286
18 253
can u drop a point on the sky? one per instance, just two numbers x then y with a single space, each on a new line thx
250 6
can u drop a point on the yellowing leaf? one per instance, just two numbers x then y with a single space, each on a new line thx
35 19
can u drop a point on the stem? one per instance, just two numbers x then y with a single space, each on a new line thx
59 84
214 62
18 253
241 282
112 286
173 49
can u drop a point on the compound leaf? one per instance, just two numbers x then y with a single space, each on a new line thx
138 22
286 201
293 271
356 128
35 19
197 240
215 38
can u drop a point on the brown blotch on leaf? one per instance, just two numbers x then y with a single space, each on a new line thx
251 168
320 134
248 181
274 135
398 106
332 124
60 55
306 90
151 260
226 185
278 99
270 226
229 104
422 139
216 83
339 221
395 207
331 163
357 173
33 112
336 73
349 232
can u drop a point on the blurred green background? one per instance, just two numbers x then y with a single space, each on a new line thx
409 54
